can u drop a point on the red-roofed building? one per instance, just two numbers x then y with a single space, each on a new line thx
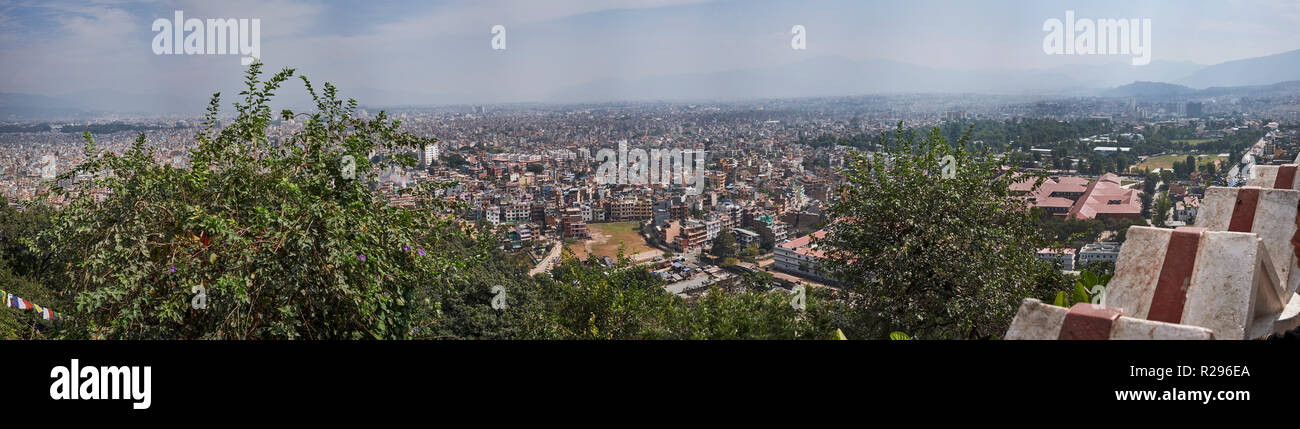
1056 196
1105 199
1076 198
801 257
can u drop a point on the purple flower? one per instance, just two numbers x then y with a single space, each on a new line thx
362 257
173 269
421 252
406 248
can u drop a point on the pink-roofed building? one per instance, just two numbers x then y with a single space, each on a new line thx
1105 199
1077 198
802 257
1056 196
1186 209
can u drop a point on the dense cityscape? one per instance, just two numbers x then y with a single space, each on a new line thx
772 168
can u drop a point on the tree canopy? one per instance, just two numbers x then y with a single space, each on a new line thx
932 256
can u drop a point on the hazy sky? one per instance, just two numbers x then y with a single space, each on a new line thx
442 49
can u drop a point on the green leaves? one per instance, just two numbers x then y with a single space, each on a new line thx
268 228
1088 288
940 258
1080 294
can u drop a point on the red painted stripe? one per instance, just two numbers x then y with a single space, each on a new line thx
1295 238
1175 275
1086 321
1243 213
1285 177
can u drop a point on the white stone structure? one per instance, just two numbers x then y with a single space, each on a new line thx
1267 176
1270 213
1038 321
1219 280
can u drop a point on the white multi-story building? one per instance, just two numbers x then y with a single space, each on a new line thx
801 257
431 153
1064 256
493 215
1104 251
517 212
712 228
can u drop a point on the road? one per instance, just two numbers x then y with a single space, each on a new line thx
546 263
1242 169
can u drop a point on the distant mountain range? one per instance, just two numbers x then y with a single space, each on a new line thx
1160 90
1248 72
1149 90
818 76
825 76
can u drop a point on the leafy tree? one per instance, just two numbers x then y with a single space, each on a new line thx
935 257
1101 268
18 228
724 245
286 240
758 280
754 315
1088 288
626 302
22 271
454 160
1162 206
1167 176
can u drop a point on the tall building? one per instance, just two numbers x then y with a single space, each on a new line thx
431 153
572 224
1194 109
693 233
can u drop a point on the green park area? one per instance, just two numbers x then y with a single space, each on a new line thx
1193 142
1167 161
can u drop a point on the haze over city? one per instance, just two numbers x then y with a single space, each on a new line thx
96 55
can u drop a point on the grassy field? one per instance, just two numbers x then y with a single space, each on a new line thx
1167 161
606 237
1194 142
